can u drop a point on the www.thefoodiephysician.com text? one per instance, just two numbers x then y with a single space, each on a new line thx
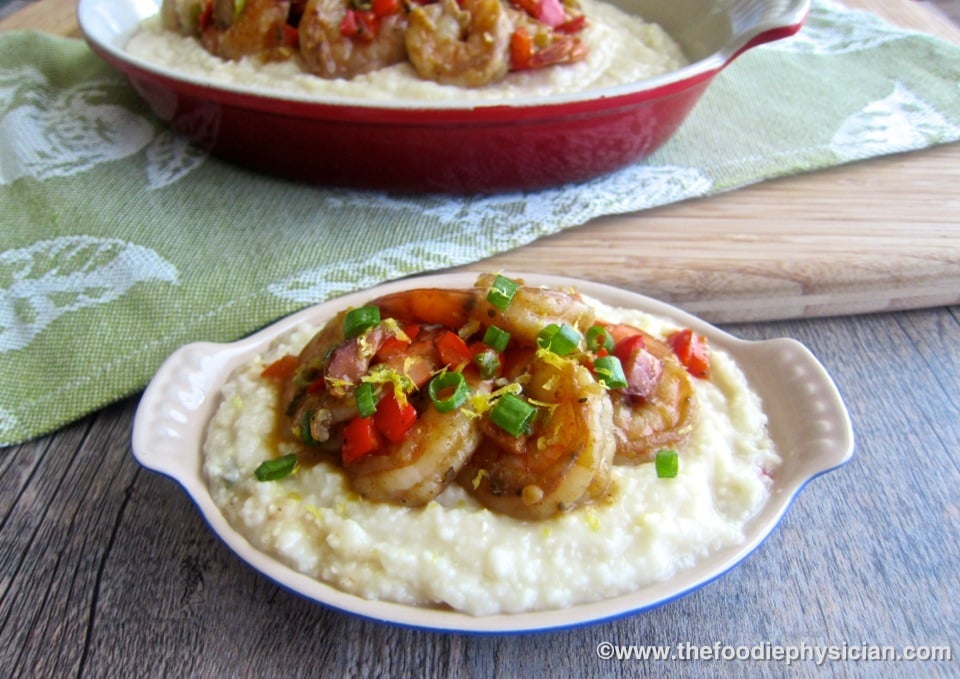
769 652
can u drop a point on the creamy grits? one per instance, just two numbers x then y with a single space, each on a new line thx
622 49
455 553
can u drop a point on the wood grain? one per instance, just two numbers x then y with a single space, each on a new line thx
52 16
107 570
878 235
776 251
882 234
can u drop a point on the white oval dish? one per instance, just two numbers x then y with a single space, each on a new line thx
806 416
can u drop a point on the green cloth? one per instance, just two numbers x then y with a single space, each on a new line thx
120 243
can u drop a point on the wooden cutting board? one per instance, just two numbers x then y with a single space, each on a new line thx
883 234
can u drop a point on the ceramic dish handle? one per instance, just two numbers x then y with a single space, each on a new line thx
176 406
808 411
762 22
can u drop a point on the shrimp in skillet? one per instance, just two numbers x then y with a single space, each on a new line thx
338 40
565 458
658 407
465 43
255 28
545 34
182 15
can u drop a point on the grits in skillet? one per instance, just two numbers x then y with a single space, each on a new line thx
611 484
610 47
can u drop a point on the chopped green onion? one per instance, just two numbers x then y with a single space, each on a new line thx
546 335
489 363
366 398
359 320
668 464
305 434
598 338
448 391
609 372
502 292
496 338
560 339
512 414
277 468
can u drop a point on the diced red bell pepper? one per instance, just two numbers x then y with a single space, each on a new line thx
350 25
383 8
360 437
360 25
627 346
452 349
528 6
692 351
394 346
281 369
574 25
521 49
291 36
371 26
318 386
206 16
392 419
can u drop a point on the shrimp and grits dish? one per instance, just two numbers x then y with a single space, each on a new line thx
407 49
500 448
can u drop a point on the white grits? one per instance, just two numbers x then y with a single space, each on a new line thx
455 553
623 49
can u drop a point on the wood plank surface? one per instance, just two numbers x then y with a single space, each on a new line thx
883 234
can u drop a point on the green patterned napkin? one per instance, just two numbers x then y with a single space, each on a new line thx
119 243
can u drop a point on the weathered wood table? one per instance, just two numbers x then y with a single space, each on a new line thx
107 569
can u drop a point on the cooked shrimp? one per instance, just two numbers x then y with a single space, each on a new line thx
563 462
410 450
418 468
466 44
557 49
438 306
661 411
182 15
535 44
530 311
259 29
320 393
338 41
310 409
